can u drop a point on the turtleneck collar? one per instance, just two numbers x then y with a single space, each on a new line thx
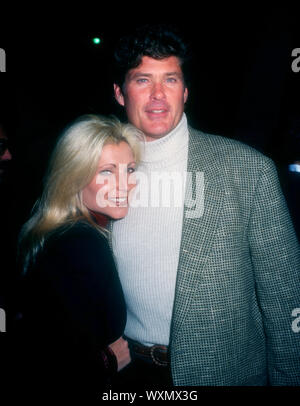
168 146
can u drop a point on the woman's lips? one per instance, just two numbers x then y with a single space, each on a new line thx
119 201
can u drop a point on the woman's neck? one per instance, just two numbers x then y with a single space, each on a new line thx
101 219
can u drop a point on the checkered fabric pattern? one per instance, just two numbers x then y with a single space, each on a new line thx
238 274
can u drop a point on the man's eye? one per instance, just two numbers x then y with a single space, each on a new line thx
171 80
142 80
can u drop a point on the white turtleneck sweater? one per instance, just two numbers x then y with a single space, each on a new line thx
146 242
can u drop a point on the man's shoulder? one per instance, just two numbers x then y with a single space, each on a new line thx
228 150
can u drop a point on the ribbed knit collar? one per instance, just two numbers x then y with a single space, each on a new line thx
167 147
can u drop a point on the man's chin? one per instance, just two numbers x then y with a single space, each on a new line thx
158 130
156 135
4 171
2 175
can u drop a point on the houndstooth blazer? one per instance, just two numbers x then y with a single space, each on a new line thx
238 274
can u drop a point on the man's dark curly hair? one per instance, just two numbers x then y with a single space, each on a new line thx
156 41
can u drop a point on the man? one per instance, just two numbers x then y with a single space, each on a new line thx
211 286
6 242
5 155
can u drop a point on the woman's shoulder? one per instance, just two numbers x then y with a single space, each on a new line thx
76 240
75 250
80 231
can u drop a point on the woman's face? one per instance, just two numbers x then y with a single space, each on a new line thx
109 190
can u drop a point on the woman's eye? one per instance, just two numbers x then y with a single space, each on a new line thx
105 172
131 170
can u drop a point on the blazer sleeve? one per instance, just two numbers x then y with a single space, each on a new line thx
276 263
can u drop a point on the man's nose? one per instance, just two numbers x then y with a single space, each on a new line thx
158 92
6 156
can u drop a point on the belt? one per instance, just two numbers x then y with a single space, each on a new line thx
157 354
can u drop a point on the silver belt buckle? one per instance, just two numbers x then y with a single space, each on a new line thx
154 359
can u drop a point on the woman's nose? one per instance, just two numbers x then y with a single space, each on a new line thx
122 182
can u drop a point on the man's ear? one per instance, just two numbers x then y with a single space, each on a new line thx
185 95
119 95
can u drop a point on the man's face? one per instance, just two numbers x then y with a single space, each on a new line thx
5 156
154 96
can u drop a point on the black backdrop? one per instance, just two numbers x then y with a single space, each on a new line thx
243 86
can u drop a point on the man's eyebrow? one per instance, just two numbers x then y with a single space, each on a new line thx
138 74
145 74
174 74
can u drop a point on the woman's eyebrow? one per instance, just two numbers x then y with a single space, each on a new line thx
105 165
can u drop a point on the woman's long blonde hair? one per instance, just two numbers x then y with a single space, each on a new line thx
72 166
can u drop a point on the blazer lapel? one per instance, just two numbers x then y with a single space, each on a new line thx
197 233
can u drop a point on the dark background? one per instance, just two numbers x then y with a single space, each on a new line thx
243 86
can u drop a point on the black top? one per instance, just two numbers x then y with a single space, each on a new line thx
73 308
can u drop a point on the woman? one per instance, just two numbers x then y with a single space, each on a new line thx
73 309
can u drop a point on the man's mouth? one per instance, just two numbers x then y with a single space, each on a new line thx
157 109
